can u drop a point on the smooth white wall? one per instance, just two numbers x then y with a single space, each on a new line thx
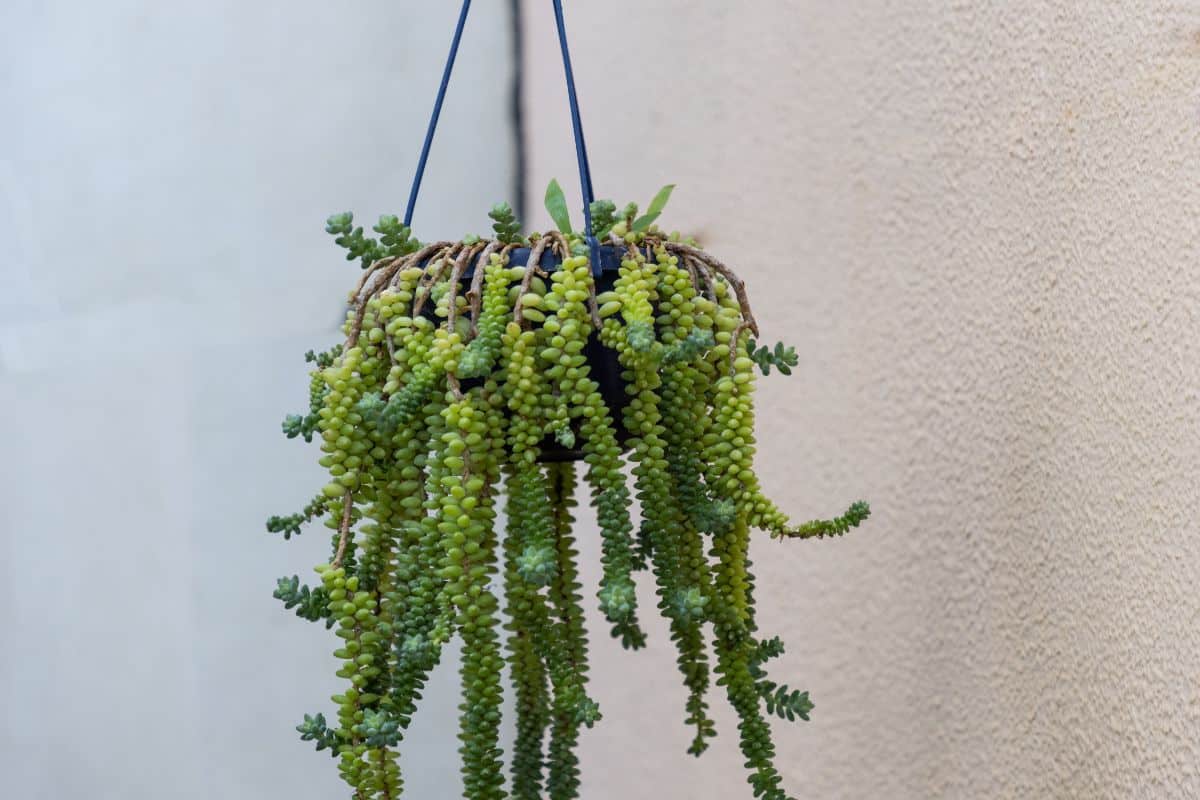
980 225
165 173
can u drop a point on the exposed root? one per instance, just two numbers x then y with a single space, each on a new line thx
460 267
733 342
384 277
344 529
593 308
531 267
690 266
360 314
373 270
427 282
725 272
710 289
561 243
391 348
475 294
416 258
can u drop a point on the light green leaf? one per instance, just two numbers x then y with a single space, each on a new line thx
655 209
556 204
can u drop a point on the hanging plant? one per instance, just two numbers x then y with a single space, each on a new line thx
481 371
468 366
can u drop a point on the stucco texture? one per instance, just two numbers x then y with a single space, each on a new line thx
979 224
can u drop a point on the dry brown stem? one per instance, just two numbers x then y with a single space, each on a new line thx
710 289
725 272
425 287
415 259
691 268
371 270
593 308
475 293
460 266
733 342
531 267
344 529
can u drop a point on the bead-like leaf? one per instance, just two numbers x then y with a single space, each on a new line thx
604 216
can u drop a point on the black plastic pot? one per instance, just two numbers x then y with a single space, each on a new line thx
605 368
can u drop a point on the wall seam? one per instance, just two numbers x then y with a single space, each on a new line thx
517 110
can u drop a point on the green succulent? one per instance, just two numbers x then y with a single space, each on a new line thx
447 396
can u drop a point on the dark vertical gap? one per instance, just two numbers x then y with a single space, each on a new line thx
517 110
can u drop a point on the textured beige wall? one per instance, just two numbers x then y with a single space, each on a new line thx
980 223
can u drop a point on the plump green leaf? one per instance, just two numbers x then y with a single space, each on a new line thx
556 204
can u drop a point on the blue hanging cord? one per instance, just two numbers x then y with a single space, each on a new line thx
437 112
585 172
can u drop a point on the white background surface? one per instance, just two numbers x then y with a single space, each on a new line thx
165 173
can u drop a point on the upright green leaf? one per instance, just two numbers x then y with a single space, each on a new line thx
556 204
655 209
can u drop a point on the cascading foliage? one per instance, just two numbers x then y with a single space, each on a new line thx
465 382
